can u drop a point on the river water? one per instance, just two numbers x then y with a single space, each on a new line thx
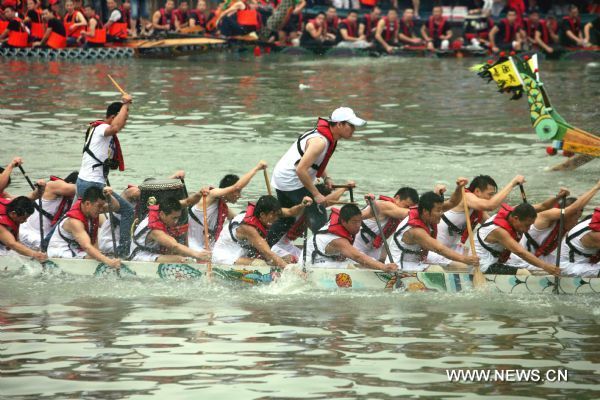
430 121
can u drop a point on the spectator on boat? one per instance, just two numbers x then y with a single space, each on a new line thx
181 17
240 19
55 36
536 32
162 19
5 176
33 20
542 238
13 213
139 12
156 237
571 33
332 246
500 235
332 23
116 25
591 32
126 13
482 197
436 31
95 35
506 35
580 253
217 209
386 35
245 239
200 15
350 33
56 201
307 159
292 26
553 29
407 33
74 22
369 23
102 152
76 235
390 210
315 36
15 34
477 31
416 235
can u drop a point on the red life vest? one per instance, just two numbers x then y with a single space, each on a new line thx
388 229
119 28
180 16
249 18
70 20
415 221
407 27
5 220
323 129
56 41
125 15
436 29
252 220
3 25
510 33
501 220
90 224
297 229
223 213
389 33
336 228
476 217
575 24
199 17
352 28
118 156
99 32
531 29
595 222
332 25
370 24
166 19
548 245
37 27
154 223
63 206
18 38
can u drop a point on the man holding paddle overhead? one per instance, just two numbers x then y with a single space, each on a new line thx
12 214
416 235
101 153
307 159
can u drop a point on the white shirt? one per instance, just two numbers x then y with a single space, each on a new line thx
196 230
115 16
103 147
284 176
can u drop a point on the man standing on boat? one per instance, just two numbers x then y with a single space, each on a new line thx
101 153
307 159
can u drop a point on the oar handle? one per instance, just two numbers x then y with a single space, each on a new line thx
376 215
267 182
112 226
206 237
304 242
342 202
349 187
351 194
468 220
27 177
523 195
561 227
119 88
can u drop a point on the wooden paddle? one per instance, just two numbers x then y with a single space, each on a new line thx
561 227
523 196
304 242
341 202
478 278
40 208
267 182
376 215
206 237
111 218
119 88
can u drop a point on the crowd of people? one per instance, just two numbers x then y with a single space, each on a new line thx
365 25
81 216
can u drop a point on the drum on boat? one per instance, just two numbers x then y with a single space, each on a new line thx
153 191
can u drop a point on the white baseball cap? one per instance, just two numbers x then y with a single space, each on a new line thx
346 114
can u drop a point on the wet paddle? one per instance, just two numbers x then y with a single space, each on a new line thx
40 208
119 88
206 237
267 182
523 196
561 227
304 243
478 278
376 215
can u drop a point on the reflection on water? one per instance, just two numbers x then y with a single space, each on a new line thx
108 339
429 120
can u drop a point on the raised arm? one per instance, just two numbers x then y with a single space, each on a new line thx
297 209
5 176
239 185
456 197
477 203
551 202
119 121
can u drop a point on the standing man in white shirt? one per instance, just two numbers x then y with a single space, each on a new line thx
295 173
101 153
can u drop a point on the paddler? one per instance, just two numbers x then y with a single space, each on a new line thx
332 246
56 201
500 235
368 25
77 234
291 27
13 213
571 33
74 22
241 18
294 175
537 33
580 254
55 36
162 19
416 235
507 34
482 196
15 34
244 241
350 33
315 36
181 16
542 238
407 33
156 237
101 153
436 31
391 210
116 24
95 34
217 209
33 20
386 35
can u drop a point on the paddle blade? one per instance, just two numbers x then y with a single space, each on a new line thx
479 280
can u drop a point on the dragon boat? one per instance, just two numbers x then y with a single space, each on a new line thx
351 278
519 75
